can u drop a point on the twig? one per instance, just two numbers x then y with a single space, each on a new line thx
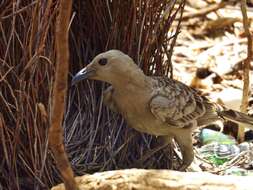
246 67
59 91
205 11
18 11
173 43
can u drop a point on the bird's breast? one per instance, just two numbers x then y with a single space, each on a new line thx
131 105
136 111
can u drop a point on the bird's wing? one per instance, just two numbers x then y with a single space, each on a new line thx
175 103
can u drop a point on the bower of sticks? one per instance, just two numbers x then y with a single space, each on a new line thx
202 43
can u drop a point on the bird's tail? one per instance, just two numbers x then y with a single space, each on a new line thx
237 117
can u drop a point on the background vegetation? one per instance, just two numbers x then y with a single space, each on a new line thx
95 139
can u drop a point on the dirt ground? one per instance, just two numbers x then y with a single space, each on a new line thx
209 55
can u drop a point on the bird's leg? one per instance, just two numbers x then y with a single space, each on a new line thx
166 142
184 140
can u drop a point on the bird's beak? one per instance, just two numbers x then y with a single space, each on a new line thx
85 73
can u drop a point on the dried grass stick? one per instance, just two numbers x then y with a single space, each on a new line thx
246 67
59 92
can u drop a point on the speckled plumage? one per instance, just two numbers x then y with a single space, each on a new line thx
156 105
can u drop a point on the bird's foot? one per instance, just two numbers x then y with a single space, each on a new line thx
183 166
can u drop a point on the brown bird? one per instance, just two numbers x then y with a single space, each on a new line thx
155 105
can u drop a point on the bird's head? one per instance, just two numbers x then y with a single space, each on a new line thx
110 66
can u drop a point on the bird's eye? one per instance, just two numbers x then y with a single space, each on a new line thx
102 61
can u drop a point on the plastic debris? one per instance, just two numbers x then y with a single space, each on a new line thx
220 148
238 172
208 136
219 153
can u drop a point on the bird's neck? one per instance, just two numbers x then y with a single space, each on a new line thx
134 80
